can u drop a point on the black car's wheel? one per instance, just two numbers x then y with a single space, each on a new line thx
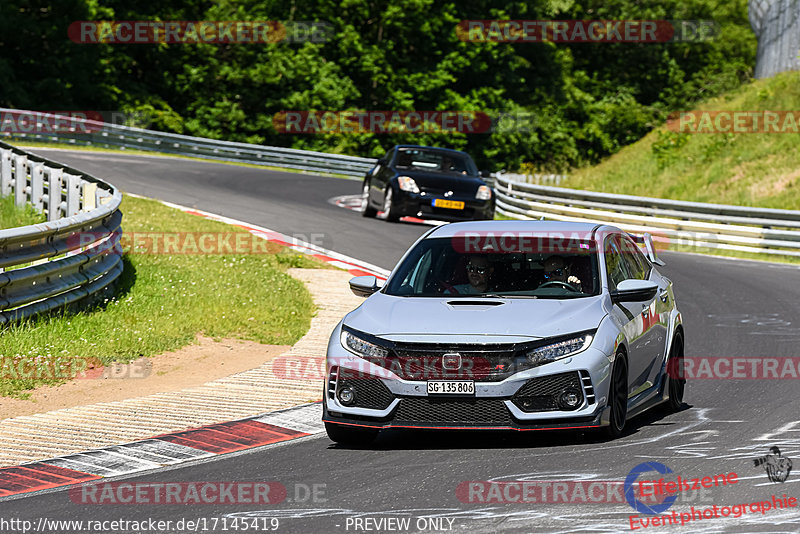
366 209
676 380
350 435
389 210
618 397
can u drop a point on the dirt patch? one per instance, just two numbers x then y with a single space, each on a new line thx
776 185
189 366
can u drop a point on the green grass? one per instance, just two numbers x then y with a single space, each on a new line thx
743 169
12 216
164 301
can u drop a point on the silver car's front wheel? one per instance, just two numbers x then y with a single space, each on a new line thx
618 397
675 375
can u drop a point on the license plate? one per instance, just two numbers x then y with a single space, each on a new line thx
451 204
451 387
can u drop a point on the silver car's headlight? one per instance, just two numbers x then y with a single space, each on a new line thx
484 193
361 347
559 350
406 183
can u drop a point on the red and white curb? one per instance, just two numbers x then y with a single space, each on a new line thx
162 451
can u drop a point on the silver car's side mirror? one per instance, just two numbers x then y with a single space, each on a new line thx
364 286
634 291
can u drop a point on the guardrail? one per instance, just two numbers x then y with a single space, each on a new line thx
68 258
92 133
693 224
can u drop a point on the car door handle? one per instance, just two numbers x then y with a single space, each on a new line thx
664 296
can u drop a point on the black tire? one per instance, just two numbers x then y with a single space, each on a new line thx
618 397
366 209
350 435
676 379
389 211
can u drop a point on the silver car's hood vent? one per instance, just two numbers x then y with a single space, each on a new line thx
383 314
465 302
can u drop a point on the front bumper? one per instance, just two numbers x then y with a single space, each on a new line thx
420 205
527 400
595 421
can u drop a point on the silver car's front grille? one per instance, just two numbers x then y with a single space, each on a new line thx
486 363
466 412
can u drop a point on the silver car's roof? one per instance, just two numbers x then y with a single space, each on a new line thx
556 227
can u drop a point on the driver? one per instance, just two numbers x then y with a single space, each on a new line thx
479 270
556 269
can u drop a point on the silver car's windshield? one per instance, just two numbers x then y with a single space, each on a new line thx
455 267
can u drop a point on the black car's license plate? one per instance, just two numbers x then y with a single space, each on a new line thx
450 204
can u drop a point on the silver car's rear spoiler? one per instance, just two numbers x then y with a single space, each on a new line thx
649 248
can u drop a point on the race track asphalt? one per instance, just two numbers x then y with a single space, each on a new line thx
730 308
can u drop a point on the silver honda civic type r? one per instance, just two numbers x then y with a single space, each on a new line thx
508 325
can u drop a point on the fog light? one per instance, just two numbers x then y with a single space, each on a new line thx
569 400
347 395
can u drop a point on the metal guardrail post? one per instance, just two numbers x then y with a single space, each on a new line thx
20 179
37 186
5 172
54 194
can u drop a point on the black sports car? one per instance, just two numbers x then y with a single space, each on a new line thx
428 183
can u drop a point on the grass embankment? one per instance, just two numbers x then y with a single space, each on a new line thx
163 302
11 215
750 169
